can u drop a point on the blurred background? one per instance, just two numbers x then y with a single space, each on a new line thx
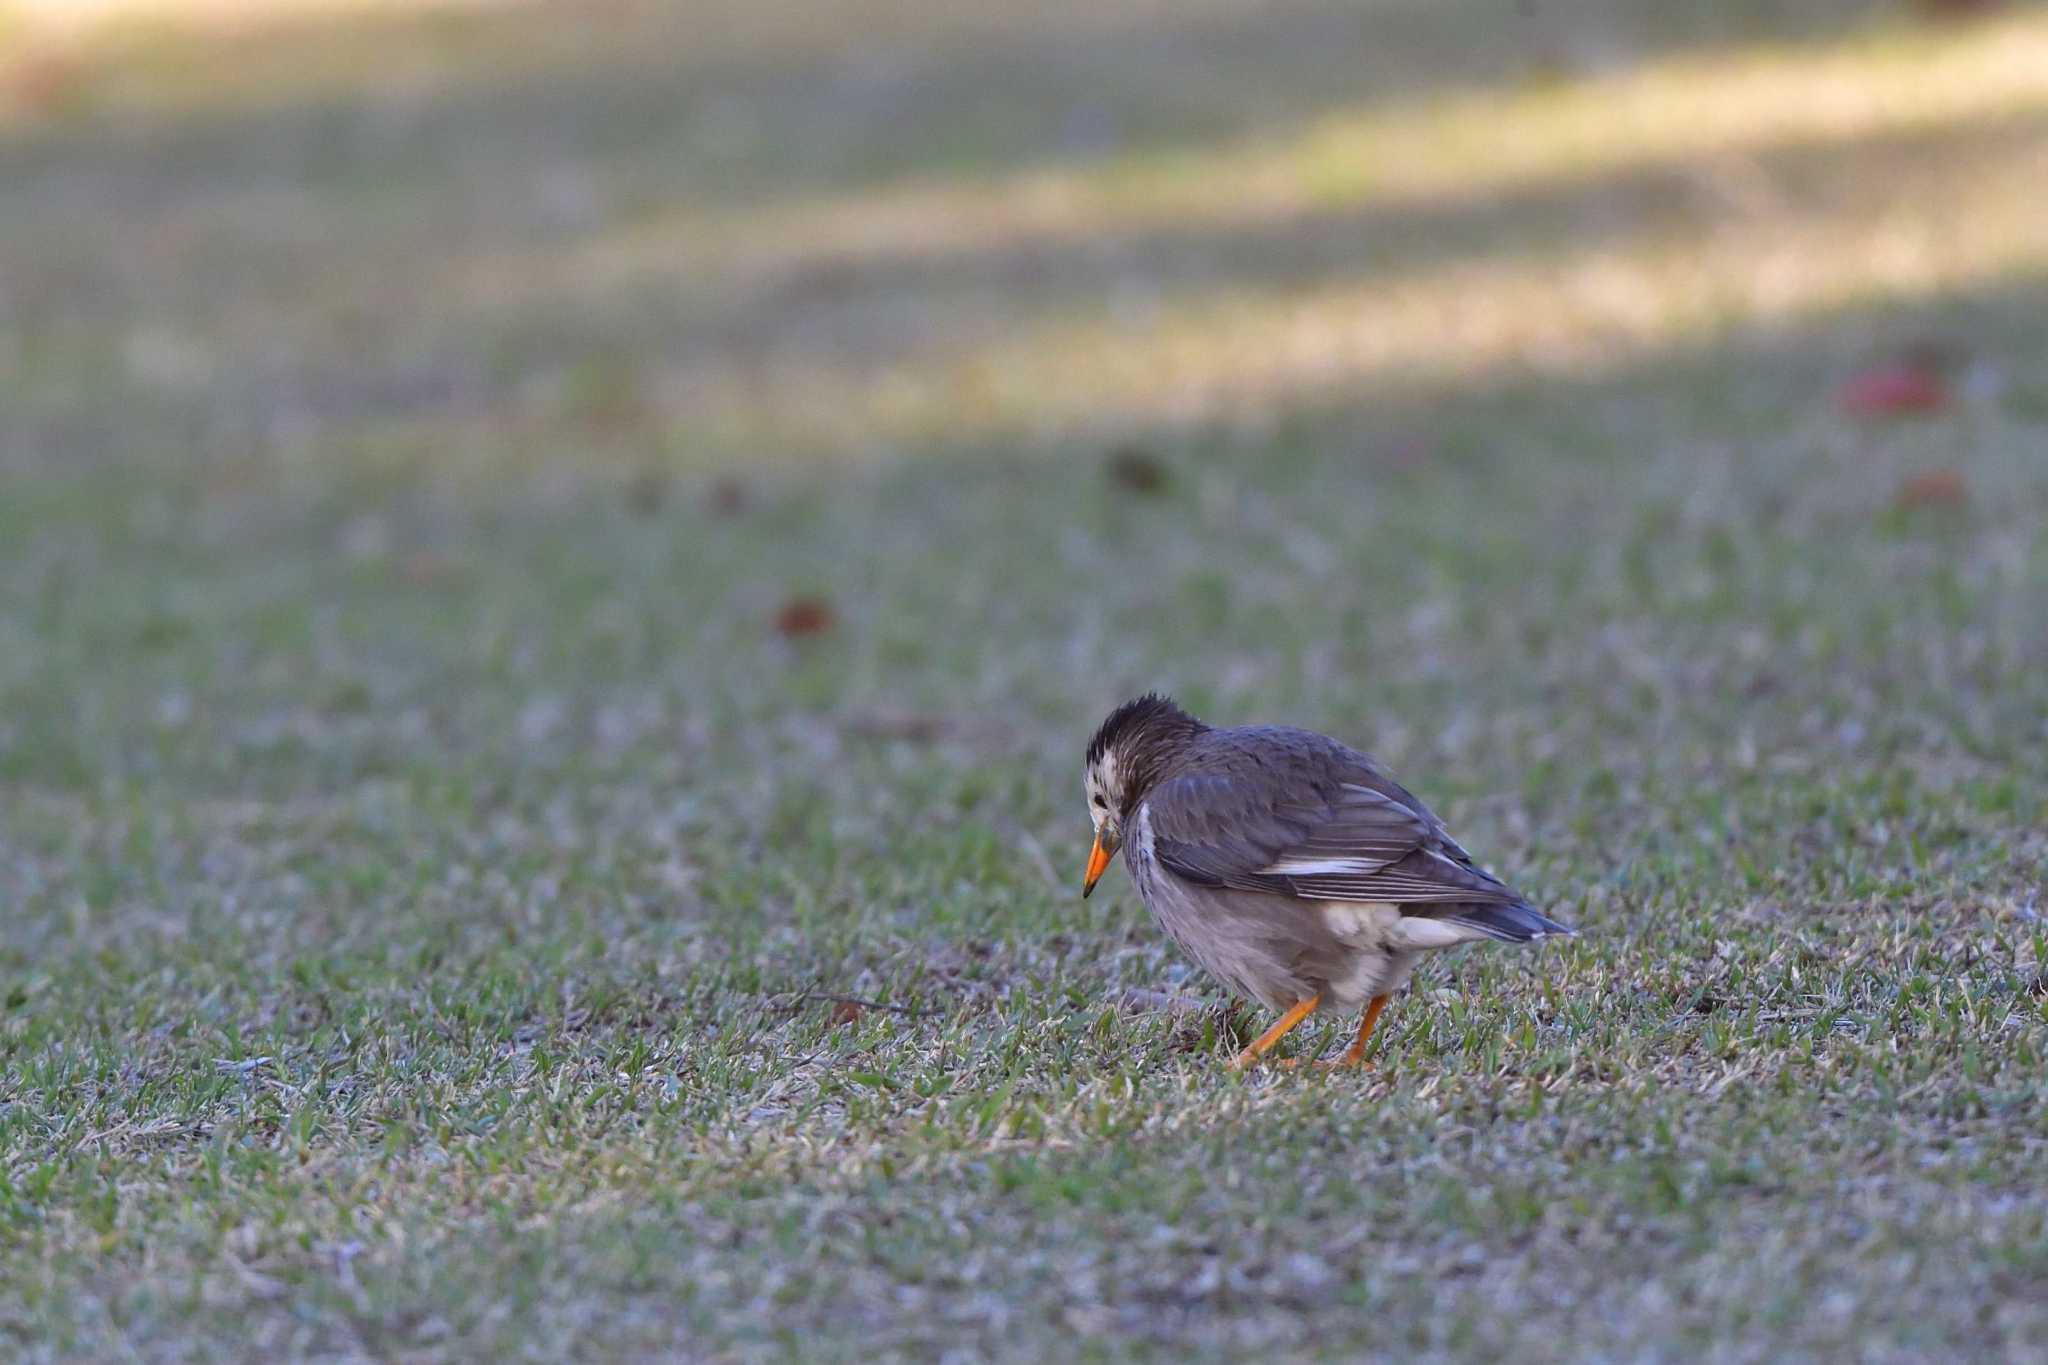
811 419
392 383
393 309
650 498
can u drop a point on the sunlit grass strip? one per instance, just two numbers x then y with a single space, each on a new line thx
1948 226
1463 145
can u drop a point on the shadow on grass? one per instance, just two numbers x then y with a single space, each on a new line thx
855 320
850 311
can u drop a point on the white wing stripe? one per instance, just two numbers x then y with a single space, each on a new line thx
1322 867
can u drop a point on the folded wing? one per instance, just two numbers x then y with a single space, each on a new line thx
1356 836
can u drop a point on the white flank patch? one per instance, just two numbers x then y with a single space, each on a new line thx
1363 924
1417 932
1381 925
1389 944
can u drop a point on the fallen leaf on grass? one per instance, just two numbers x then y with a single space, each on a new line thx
1936 488
803 616
1137 469
727 498
1896 389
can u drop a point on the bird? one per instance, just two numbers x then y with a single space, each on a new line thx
1291 867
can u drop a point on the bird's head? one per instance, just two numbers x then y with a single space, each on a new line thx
1126 757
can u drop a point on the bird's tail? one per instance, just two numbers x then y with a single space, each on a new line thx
1513 922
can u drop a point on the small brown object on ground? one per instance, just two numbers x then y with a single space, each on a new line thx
1138 469
803 616
727 498
1897 389
1935 488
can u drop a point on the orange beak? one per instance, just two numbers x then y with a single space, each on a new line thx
1098 863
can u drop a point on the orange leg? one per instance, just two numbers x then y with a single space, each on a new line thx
1355 1054
1286 1022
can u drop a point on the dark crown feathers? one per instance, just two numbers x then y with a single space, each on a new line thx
1136 716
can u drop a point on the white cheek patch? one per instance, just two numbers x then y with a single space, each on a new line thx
1099 785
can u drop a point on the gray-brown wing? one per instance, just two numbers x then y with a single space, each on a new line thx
1352 840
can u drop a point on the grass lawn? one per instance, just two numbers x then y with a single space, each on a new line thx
556 566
